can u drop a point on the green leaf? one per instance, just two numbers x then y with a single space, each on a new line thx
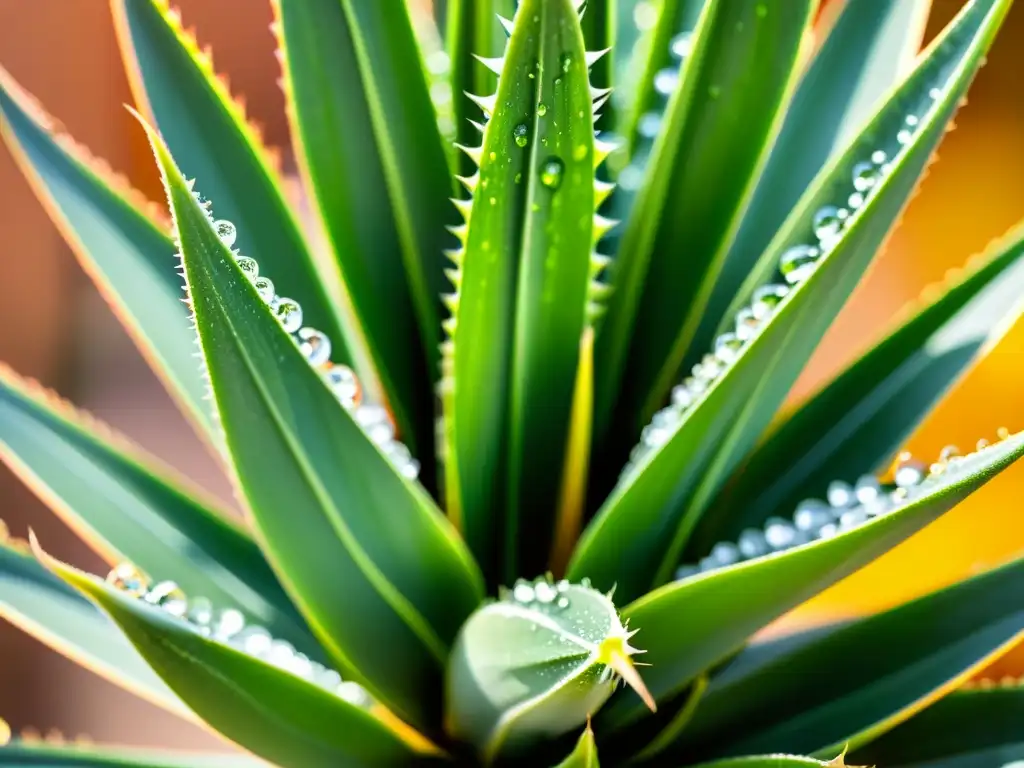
23 755
120 247
773 761
597 20
856 423
717 127
272 713
881 670
689 626
585 753
522 292
43 606
371 152
535 665
869 48
369 560
474 29
973 728
690 451
210 135
126 507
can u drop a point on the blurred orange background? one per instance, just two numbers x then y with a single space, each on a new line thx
53 325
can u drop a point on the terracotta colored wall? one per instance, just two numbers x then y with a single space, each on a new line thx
53 326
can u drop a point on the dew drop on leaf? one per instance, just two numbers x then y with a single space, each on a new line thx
865 175
798 262
265 288
225 231
827 223
288 313
520 134
542 109
551 173
249 267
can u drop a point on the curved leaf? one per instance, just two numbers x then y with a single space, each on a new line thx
689 626
869 48
211 137
22 755
111 495
41 605
272 713
855 424
366 136
535 665
881 670
363 551
522 291
973 728
717 126
775 761
121 248
585 753
648 519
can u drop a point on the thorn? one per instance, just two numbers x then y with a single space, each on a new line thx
600 102
592 57
602 226
473 153
469 182
460 232
465 207
486 103
601 191
479 126
506 24
495 64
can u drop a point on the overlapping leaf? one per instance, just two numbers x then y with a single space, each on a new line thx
369 560
649 517
22 755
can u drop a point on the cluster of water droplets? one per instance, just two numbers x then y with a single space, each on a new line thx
316 348
228 626
543 594
845 507
796 264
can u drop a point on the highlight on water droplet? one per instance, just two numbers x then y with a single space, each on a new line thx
551 173
666 81
249 267
520 134
681 45
566 62
315 346
865 175
827 224
226 231
288 313
542 109
798 262
265 288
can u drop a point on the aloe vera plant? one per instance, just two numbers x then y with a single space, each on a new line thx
494 455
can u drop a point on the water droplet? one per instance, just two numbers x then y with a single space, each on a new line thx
645 14
551 173
343 384
519 133
681 45
265 288
167 596
544 592
696 386
727 347
128 579
909 472
949 452
327 678
280 653
686 571
981 444
839 494
542 109
249 267
315 346
562 603
681 397
934 93
766 299
828 530
1003 433
752 543
200 611
254 640
226 231
566 62
725 553
649 124
375 422
354 694
865 175
779 533
868 489
856 200
708 368
798 262
911 120
811 514
878 157
230 622
852 518
666 80
903 136
288 313
827 224
747 324
523 592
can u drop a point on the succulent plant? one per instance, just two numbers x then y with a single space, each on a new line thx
493 456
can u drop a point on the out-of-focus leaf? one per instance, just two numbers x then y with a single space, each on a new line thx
869 48
725 96
22 755
473 30
975 728
648 519
535 665
774 761
585 753
112 496
690 625
120 247
43 606
274 714
522 288
348 535
211 137
860 680
856 423
369 148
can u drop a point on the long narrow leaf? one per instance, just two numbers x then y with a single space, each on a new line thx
22 755
362 550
